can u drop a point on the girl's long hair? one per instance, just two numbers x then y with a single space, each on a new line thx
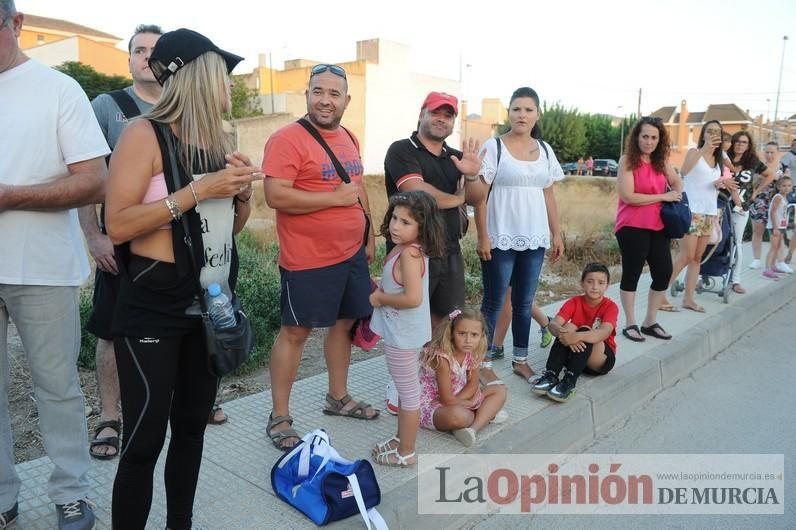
658 157
423 209
749 159
716 152
193 100
443 339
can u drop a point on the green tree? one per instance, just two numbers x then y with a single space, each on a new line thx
93 83
602 138
245 100
564 130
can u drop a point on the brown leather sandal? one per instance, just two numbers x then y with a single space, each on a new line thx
336 407
278 437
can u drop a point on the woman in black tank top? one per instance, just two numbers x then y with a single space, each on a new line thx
159 344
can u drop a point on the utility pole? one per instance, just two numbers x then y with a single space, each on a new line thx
621 132
638 113
779 86
271 77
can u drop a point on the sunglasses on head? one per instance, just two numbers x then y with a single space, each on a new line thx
333 68
651 119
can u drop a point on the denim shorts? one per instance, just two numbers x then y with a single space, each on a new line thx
317 298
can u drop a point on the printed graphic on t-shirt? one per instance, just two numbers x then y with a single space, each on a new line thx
348 157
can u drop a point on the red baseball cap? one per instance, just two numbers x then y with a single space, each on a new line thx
435 100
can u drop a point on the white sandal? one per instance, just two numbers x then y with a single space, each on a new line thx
465 436
501 417
400 460
384 446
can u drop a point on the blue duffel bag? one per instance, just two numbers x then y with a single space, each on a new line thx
318 482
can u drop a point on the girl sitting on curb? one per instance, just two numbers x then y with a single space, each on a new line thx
451 397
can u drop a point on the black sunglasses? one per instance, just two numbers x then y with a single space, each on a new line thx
321 68
651 119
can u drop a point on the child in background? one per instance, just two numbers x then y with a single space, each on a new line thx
777 223
585 330
401 314
451 398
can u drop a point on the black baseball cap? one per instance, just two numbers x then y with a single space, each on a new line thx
177 48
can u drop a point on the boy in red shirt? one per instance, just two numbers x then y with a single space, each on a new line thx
585 331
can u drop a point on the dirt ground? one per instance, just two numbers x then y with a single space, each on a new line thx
22 402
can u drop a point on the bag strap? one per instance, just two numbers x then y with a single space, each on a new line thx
126 104
499 143
367 515
175 176
341 172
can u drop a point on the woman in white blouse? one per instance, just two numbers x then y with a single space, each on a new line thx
522 218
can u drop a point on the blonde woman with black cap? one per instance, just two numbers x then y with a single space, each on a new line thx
160 351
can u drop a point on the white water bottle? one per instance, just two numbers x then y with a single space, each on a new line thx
221 312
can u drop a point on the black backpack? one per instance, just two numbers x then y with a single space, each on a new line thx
130 110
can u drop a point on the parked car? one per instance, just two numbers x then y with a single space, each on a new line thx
570 168
605 167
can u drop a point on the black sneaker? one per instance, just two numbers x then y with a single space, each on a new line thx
495 352
563 390
76 515
7 518
542 384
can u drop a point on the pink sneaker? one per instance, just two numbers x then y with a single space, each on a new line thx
771 275
391 399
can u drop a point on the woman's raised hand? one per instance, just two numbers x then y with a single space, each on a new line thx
234 179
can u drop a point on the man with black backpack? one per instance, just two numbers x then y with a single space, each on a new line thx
114 110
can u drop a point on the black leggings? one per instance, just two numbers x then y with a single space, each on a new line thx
562 356
639 246
163 380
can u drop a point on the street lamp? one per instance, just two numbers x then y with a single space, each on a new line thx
779 85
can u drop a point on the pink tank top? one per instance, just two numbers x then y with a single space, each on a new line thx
645 180
157 191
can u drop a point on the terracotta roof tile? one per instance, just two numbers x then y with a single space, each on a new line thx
726 112
65 26
664 113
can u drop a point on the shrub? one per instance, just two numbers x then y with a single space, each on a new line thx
88 342
259 291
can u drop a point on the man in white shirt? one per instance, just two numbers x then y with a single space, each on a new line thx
51 162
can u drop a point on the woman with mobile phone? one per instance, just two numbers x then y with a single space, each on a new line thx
701 172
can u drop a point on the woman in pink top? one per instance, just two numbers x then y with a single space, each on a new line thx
644 176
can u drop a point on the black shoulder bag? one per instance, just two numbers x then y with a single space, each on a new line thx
341 172
227 348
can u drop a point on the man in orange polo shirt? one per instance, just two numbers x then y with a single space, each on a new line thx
323 259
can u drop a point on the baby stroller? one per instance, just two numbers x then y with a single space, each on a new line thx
719 260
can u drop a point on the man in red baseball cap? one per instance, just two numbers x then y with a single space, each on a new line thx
425 162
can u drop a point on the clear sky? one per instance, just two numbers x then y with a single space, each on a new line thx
593 55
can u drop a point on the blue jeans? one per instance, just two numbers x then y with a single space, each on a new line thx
520 269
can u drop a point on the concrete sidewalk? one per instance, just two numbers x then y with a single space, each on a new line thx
234 487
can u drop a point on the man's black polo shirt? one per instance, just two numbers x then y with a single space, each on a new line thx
408 159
